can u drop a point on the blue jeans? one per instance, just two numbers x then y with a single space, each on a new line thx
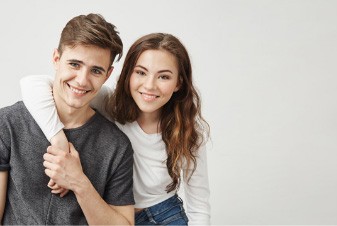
168 212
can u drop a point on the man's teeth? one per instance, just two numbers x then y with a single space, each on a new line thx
77 90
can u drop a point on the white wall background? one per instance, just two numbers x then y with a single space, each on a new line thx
267 75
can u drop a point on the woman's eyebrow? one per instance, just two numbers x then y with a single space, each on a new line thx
161 71
142 67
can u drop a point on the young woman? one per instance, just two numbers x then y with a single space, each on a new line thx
156 105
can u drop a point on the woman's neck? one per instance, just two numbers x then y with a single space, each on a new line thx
149 123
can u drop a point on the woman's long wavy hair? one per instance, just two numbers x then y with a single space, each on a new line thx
182 125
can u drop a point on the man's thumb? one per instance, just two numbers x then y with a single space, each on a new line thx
71 148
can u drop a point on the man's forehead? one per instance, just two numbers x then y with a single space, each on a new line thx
89 55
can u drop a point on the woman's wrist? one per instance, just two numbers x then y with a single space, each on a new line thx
60 141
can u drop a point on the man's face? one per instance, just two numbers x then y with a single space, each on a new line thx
80 73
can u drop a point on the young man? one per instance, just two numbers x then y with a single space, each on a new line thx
97 165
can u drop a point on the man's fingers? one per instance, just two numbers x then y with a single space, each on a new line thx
54 150
64 193
51 183
71 147
49 157
57 191
49 165
54 187
48 172
72 150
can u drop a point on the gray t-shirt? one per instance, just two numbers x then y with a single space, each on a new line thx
106 156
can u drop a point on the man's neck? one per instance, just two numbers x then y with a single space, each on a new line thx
72 117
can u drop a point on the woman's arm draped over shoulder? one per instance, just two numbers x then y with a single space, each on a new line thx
197 192
99 99
37 95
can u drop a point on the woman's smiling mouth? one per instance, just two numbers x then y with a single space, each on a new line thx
148 97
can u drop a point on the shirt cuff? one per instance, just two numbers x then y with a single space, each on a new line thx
4 167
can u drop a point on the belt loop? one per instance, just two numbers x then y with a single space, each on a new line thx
180 199
149 215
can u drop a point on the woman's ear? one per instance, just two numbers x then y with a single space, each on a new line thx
179 84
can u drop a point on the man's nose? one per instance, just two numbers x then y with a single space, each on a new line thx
82 77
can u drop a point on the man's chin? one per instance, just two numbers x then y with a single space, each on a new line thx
77 105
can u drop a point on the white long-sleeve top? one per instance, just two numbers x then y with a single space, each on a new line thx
150 172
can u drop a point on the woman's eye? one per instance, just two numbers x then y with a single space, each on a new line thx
164 77
140 73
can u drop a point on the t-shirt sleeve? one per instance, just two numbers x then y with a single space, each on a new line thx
37 95
119 190
197 192
4 151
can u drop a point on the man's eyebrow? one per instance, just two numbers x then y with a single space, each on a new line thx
75 61
161 71
99 68
81 62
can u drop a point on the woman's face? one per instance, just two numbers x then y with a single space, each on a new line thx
153 81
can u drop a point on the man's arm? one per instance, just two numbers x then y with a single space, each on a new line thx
97 211
66 170
37 96
3 192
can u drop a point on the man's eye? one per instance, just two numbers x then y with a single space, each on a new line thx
74 65
96 71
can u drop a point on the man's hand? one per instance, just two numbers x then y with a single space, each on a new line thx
60 141
64 168
56 189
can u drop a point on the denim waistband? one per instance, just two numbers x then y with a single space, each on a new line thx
169 210
165 205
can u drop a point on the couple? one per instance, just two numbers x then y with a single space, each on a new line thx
123 171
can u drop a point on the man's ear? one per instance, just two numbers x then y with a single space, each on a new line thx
56 58
109 72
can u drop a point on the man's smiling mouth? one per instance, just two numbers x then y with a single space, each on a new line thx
78 91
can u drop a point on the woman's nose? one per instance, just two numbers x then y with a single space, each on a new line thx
149 82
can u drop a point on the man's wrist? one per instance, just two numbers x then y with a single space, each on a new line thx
82 186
